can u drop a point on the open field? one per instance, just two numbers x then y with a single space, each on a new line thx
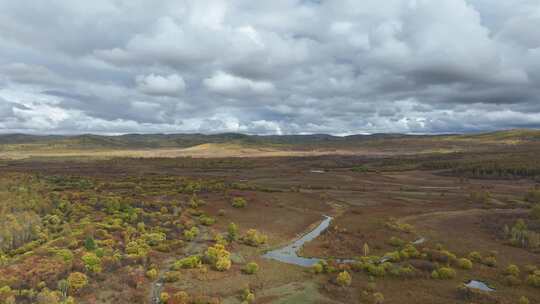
116 227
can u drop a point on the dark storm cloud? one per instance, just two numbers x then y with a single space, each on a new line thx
268 67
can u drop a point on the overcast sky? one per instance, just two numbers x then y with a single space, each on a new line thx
269 67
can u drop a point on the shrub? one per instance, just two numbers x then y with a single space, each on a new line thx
443 273
152 274
530 268
512 270
254 238
376 270
239 202
153 239
523 300
248 296
207 220
409 252
219 239
221 212
65 254
189 262
464 263
534 279
480 197
378 298
475 256
511 280
403 271
191 234
180 297
396 242
89 243
77 281
344 279
171 276
252 268
223 264
317 268
490 261
232 232
137 248
218 257
7 295
164 297
393 256
48 297
92 262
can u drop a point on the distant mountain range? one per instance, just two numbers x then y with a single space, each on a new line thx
149 141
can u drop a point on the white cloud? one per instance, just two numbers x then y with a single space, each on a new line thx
169 85
225 83
269 66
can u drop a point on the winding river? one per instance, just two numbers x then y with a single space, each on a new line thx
289 253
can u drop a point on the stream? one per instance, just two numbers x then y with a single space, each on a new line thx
289 253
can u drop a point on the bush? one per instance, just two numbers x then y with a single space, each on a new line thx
207 220
232 232
511 280
152 274
193 261
403 271
376 270
464 263
239 202
77 281
512 270
191 234
444 273
180 297
475 256
490 261
378 298
252 268
392 256
254 238
248 296
89 243
317 268
164 297
65 254
223 264
7 295
396 242
153 239
92 262
171 276
409 252
48 297
218 257
344 279
523 300
534 279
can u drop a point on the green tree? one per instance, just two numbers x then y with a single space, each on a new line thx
89 243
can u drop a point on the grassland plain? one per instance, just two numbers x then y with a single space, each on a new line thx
417 216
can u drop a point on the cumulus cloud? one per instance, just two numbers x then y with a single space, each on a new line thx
169 85
225 83
272 67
